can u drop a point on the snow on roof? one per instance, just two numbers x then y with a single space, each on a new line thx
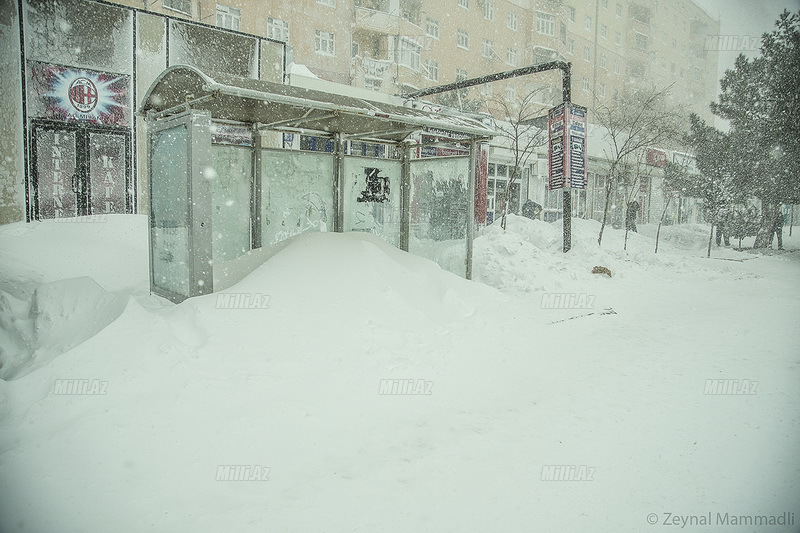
274 105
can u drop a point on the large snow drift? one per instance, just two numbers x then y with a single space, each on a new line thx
143 424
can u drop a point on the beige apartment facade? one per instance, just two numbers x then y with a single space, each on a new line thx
395 46
388 46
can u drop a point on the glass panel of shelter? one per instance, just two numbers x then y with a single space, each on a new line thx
297 194
169 210
438 211
372 197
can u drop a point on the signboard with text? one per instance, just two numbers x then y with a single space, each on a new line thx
567 147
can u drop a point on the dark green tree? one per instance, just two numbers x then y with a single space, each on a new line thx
761 101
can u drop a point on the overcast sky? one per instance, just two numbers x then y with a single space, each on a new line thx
745 19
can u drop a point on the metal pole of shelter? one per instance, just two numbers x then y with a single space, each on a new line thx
338 182
473 179
405 196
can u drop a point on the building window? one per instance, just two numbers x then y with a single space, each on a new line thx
278 29
184 6
511 94
604 4
463 39
587 54
619 10
372 84
511 20
586 84
603 31
432 28
228 17
432 70
486 91
601 90
570 45
411 12
408 53
329 3
511 56
545 23
463 3
488 49
571 13
461 74
488 10
602 60
617 38
617 69
323 43
587 23
640 41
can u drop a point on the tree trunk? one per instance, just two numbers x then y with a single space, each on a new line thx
765 231
605 213
663 214
710 238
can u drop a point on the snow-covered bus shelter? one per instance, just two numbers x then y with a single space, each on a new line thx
237 166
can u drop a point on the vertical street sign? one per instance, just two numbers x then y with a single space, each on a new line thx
555 153
566 155
576 134
567 147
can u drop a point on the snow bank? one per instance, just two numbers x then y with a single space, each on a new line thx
528 257
60 316
111 249
159 419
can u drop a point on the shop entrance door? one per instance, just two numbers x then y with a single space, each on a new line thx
79 170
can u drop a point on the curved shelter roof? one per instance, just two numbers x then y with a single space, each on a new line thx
277 106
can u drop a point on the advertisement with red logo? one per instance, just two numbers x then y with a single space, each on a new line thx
62 93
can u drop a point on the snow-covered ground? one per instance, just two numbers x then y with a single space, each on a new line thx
507 390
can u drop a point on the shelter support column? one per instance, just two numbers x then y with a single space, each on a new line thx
473 179
405 196
255 196
338 182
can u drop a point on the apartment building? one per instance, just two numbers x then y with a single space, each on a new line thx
389 46
394 46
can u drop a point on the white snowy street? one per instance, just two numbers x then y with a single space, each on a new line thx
365 389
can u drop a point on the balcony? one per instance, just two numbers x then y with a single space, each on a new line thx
389 17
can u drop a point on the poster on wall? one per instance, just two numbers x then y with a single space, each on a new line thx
81 95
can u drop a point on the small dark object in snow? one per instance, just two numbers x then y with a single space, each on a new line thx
601 270
608 311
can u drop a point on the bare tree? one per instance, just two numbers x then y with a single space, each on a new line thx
523 123
634 120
